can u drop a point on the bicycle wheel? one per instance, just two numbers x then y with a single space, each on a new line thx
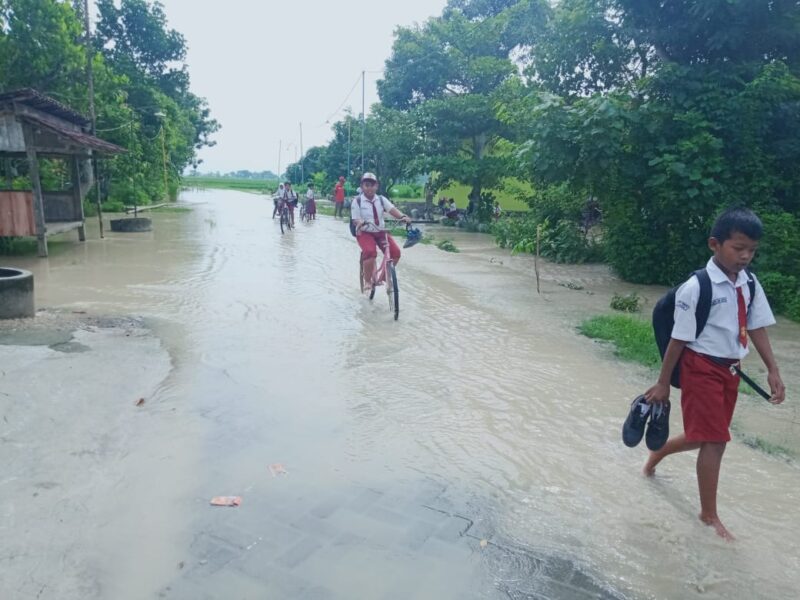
392 290
283 220
361 273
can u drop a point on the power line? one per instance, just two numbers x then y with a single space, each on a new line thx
338 110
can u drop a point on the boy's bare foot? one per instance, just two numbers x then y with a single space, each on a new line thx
649 469
719 528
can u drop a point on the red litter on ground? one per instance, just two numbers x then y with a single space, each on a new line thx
277 469
226 501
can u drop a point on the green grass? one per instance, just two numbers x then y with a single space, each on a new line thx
460 193
10 246
231 183
447 246
632 338
172 209
758 443
633 341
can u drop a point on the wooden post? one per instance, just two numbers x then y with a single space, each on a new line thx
77 197
9 177
38 199
536 260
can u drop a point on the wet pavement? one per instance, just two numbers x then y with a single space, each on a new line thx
469 450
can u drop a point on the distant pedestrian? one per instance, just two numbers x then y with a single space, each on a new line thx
338 198
275 197
311 203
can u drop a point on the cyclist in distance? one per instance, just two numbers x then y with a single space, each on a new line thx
367 212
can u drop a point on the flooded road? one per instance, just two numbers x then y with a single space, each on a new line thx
469 450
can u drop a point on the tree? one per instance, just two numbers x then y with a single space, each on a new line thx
40 48
707 124
448 70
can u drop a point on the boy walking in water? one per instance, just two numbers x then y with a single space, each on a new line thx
709 384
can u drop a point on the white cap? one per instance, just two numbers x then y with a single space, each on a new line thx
370 176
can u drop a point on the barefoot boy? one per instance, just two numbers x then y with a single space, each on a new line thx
708 385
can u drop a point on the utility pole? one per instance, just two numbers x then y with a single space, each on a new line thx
280 147
349 126
302 174
92 114
363 118
164 159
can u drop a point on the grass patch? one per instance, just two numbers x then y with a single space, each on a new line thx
172 209
627 303
758 443
632 338
231 183
14 246
447 246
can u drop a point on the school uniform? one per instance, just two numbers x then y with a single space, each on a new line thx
373 235
709 388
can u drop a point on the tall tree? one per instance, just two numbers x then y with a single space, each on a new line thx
449 70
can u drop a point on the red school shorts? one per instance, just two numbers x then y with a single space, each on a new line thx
708 397
371 241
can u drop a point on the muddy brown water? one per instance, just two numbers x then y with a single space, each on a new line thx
469 450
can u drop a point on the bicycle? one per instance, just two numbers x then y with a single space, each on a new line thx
303 213
286 217
386 274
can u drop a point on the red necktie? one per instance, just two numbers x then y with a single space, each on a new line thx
374 212
742 317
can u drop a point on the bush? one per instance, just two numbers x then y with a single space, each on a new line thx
781 290
779 249
563 242
627 303
447 246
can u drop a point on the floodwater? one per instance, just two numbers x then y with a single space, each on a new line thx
469 450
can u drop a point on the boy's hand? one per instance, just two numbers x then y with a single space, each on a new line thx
658 394
776 387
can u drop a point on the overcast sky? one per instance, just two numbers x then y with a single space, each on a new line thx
266 66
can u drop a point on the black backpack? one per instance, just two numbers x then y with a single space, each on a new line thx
664 314
351 224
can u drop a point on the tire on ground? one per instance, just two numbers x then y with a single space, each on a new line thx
16 294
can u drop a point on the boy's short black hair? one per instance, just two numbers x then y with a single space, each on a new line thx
737 219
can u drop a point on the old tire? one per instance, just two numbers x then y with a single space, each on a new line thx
132 225
16 294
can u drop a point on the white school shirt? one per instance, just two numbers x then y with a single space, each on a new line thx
720 336
310 195
362 211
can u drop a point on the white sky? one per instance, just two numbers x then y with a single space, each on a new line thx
266 66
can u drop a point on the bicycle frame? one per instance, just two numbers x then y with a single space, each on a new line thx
384 274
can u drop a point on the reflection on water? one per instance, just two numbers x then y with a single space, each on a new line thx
482 386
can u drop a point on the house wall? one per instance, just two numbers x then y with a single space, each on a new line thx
16 214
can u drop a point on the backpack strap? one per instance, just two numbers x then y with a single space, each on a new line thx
751 283
704 302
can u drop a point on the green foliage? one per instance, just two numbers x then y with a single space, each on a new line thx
406 190
15 246
563 242
139 74
447 246
632 338
783 292
629 303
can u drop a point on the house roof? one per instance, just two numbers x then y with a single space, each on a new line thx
39 101
85 140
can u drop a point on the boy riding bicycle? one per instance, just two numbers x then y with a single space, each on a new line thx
367 212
